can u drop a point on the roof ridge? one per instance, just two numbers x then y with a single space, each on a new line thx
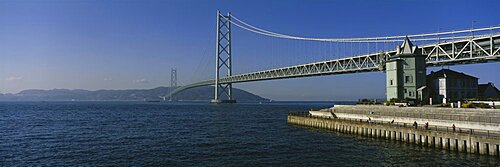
447 72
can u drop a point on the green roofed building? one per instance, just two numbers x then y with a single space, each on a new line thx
406 73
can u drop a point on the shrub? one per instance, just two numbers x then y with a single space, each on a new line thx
387 103
475 105
482 105
445 105
468 105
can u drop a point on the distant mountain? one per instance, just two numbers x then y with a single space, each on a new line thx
204 93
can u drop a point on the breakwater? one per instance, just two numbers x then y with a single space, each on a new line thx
466 140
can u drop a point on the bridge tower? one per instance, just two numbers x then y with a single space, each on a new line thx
173 82
406 73
223 91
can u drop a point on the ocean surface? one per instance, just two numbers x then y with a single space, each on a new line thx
194 134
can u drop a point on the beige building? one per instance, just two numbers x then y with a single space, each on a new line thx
447 85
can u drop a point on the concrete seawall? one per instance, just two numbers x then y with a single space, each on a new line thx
431 121
484 119
448 140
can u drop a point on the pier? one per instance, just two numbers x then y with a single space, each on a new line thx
475 141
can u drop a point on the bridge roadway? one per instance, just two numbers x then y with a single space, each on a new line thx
481 49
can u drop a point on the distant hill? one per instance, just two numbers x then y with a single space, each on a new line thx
204 93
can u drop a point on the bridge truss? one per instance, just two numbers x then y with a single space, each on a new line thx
476 50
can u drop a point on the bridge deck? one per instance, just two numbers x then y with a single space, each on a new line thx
481 49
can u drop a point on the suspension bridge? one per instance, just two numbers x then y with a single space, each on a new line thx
475 45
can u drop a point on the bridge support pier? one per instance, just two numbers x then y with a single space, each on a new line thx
173 83
223 90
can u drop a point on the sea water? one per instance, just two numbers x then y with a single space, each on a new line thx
194 134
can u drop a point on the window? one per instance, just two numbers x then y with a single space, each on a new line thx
408 79
405 91
391 81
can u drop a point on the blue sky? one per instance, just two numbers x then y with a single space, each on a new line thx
133 44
